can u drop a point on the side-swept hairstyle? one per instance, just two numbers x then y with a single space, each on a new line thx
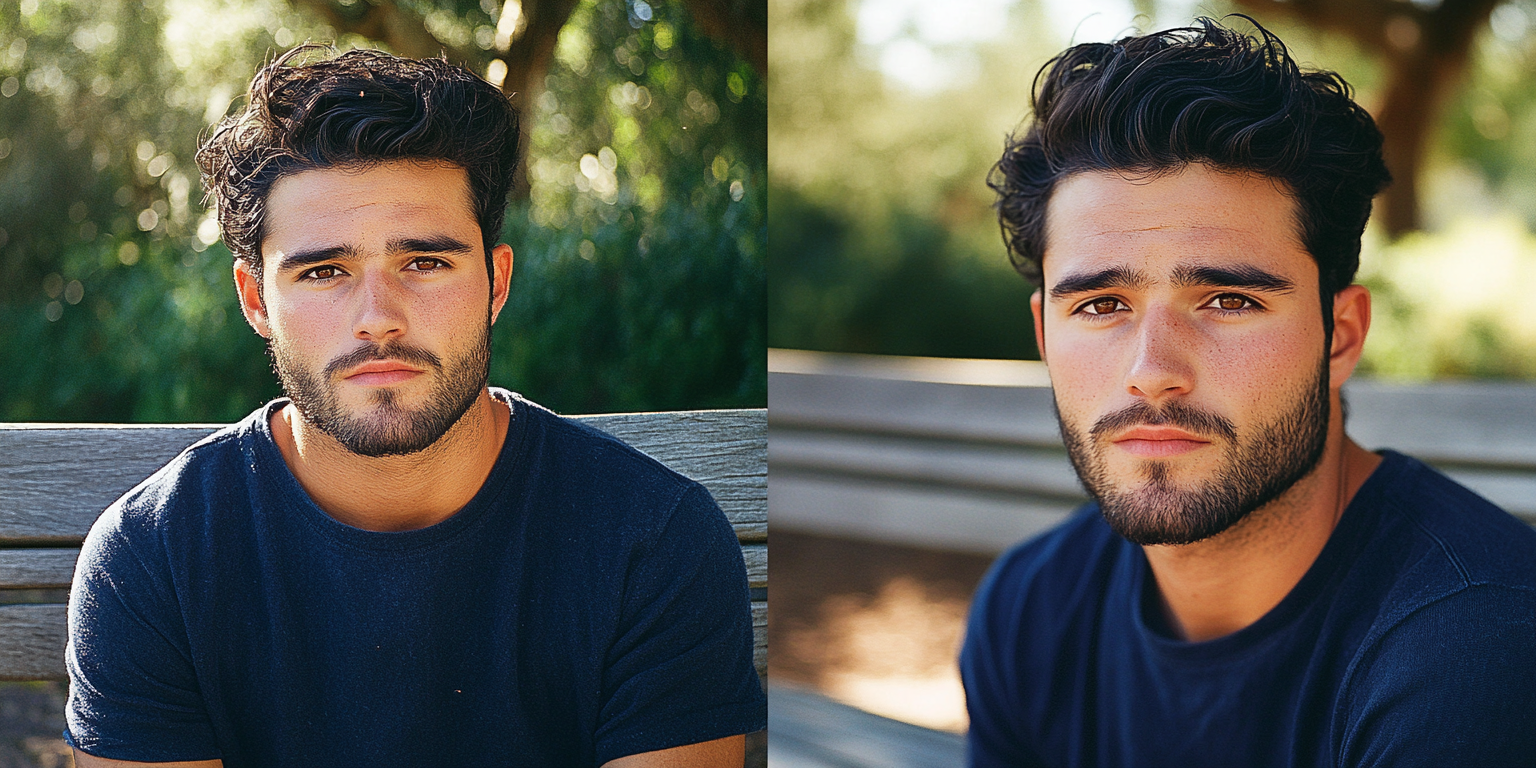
1204 94
354 110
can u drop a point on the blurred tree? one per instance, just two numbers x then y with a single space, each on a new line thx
882 237
116 294
1425 48
515 49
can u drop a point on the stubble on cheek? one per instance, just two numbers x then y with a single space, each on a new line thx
1253 468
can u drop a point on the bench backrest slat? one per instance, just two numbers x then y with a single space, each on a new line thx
55 479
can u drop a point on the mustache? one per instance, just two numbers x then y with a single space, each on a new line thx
389 351
1177 413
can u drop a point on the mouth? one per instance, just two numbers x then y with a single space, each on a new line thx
1158 441
378 373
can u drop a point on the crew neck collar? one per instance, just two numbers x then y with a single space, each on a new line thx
1360 517
266 461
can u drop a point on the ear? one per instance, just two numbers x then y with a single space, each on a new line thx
501 277
247 287
1036 301
1351 321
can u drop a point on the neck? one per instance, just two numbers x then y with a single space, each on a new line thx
1218 586
395 493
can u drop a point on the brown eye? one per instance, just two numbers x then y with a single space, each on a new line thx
1104 306
322 273
1231 303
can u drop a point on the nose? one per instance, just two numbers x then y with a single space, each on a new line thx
379 314
1161 364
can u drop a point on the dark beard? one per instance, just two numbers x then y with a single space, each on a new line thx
392 430
1254 472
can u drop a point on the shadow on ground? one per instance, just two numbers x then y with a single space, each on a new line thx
875 626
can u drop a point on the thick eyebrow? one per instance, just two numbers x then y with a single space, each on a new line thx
1114 277
298 259
1242 276
429 244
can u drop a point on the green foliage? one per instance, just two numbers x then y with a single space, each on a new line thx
638 285
918 292
882 238
1491 124
1434 317
639 280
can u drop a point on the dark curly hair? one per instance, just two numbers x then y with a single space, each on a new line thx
1202 94
359 108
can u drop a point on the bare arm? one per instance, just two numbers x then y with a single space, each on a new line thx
728 752
83 760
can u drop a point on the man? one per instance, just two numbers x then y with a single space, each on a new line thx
396 565
1249 586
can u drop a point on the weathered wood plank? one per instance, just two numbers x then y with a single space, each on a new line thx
51 568
32 642
999 401
926 516
1025 470
812 731
966 456
1020 415
756 557
55 479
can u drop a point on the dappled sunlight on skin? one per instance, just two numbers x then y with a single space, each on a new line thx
893 654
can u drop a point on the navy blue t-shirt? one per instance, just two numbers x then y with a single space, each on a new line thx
588 603
1410 641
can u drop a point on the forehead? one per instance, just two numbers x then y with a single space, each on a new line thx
1195 216
354 205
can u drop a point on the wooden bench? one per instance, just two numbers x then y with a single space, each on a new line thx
812 731
56 478
965 455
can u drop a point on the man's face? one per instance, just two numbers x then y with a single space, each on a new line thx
1182 326
376 302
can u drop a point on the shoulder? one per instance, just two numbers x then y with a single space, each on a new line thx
1032 626
586 448
1057 566
1452 682
180 493
1444 671
1452 538
615 485
1044 593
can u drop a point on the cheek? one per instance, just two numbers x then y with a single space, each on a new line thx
453 314
1260 372
306 326
1083 374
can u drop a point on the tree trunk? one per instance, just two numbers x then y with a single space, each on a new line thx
527 61
1425 54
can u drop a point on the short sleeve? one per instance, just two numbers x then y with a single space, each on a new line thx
989 674
1453 684
133 692
680 668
